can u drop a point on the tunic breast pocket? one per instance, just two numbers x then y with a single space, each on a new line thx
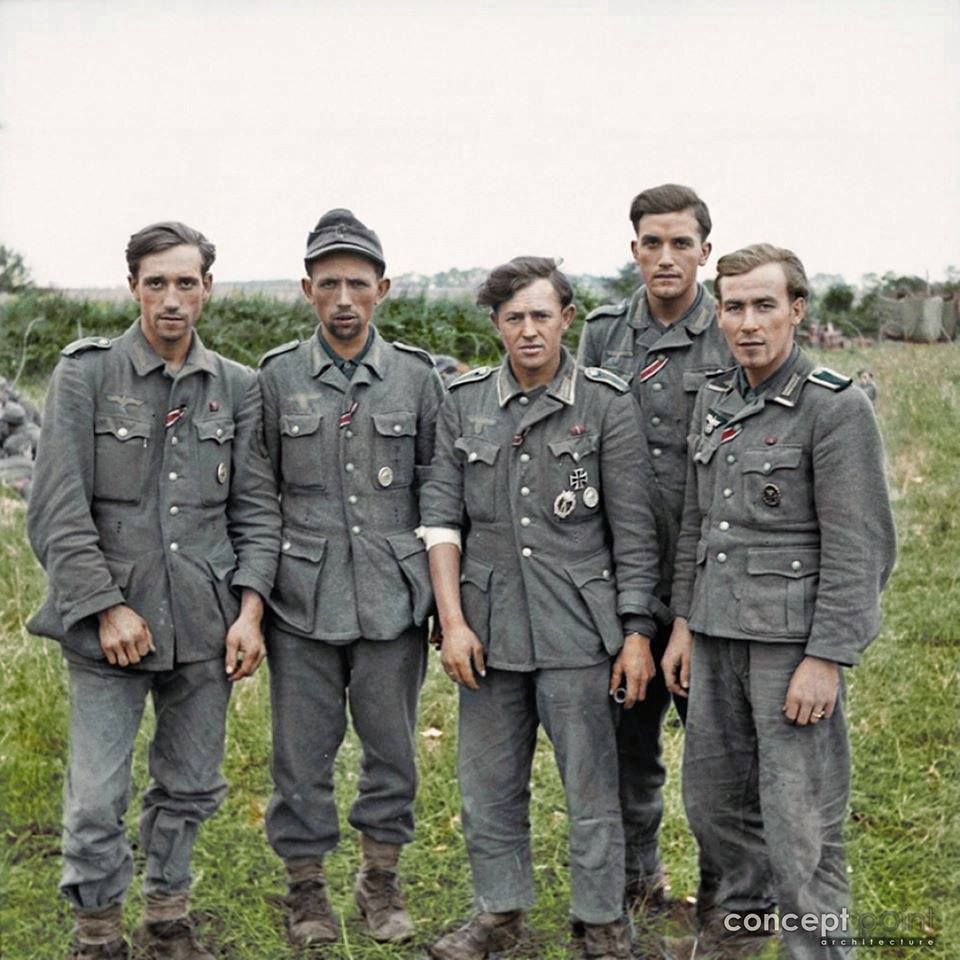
121 450
776 488
781 591
394 448
479 477
574 478
214 458
300 453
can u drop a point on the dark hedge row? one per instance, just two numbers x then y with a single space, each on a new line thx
34 327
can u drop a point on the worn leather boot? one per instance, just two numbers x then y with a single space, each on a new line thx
378 893
98 935
310 918
480 936
169 940
607 941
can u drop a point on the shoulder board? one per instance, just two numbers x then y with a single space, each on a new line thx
276 351
471 376
825 377
417 351
599 375
86 343
608 310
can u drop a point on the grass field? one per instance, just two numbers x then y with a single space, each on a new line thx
903 845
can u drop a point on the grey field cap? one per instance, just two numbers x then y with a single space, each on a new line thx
339 231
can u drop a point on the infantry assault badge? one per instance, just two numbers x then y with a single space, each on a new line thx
565 503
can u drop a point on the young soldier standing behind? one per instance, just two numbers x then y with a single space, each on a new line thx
349 422
664 342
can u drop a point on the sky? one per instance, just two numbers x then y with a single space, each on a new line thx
469 133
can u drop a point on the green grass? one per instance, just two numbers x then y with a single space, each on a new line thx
903 708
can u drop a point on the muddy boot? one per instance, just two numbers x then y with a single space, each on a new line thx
483 934
378 893
310 918
607 941
98 935
167 931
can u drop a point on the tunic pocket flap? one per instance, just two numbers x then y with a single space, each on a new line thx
477 573
790 562
220 429
299 424
597 567
405 544
222 561
476 449
400 424
302 544
123 428
768 459
574 447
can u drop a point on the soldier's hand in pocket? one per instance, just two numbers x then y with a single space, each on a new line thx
125 638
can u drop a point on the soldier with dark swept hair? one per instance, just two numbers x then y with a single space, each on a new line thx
543 554
154 513
665 343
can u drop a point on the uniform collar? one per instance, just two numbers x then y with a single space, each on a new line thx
373 356
781 385
562 387
146 359
697 319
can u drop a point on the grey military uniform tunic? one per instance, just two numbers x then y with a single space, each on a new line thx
349 455
169 520
151 489
538 484
787 541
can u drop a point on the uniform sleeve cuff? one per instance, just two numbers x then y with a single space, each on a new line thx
636 623
102 601
248 579
842 657
431 536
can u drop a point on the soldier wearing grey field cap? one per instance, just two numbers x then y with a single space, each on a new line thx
786 543
349 424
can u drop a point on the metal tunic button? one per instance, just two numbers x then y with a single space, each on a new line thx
122 432
524 400
352 498
605 574
731 458
524 521
727 492
576 457
721 558
796 565
174 547
397 428
526 552
354 529
349 434
524 491
348 467
173 441
657 452
473 456
219 432
657 386
724 525
655 421
767 467
295 428
172 475
174 511
286 545
524 457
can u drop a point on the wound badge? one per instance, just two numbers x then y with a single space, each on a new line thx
590 497
771 495
384 476
221 473
565 503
